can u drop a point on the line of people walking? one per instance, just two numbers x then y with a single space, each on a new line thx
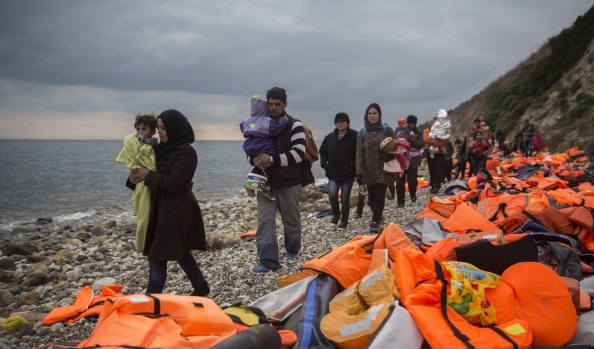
348 156
276 147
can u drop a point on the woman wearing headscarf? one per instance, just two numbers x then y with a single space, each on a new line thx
175 225
370 163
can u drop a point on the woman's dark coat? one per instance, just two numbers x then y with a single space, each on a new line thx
337 156
175 223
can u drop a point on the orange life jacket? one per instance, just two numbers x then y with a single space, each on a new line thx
347 263
67 312
530 311
498 208
424 294
85 305
392 238
160 321
466 219
438 209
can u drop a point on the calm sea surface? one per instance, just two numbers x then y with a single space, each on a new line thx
41 178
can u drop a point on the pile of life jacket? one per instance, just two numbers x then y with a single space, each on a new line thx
499 263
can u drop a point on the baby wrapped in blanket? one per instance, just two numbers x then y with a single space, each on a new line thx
136 152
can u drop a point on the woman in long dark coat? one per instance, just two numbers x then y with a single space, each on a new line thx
175 225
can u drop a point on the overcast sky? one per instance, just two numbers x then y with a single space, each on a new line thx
82 69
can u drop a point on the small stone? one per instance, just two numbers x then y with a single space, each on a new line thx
7 263
6 298
98 231
57 327
30 297
44 220
110 224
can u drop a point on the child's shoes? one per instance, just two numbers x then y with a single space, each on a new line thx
267 191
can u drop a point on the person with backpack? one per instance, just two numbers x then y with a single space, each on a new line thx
370 163
257 131
285 179
415 139
337 154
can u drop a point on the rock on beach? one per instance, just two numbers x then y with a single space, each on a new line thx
44 263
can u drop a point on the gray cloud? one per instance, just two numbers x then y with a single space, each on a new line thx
84 62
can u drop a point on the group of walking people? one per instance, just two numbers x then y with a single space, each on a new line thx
348 156
472 152
172 225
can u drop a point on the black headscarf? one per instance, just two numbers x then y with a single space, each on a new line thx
377 127
179 131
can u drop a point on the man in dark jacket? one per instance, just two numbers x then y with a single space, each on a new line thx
415 139
285 180
337 154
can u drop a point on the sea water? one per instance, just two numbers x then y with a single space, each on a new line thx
50 178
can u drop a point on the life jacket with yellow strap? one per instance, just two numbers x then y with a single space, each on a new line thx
512 311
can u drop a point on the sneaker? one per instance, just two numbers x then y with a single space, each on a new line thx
291 255
202 291
341 226
413 198
335 219
400 205
267 191
374 228
261 269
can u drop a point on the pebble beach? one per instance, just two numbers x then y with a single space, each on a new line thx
44 263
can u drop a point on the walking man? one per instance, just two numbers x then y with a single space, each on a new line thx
285 180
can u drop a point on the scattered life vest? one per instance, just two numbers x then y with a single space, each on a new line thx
535 310
160 321
357 312
85 305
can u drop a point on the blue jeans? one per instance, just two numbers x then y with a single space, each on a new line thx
345 186
158 273
287 202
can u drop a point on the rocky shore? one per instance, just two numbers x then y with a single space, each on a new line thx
44 263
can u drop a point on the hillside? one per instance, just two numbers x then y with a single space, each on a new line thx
553 88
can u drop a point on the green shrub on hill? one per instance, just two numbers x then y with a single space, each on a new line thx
585 102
